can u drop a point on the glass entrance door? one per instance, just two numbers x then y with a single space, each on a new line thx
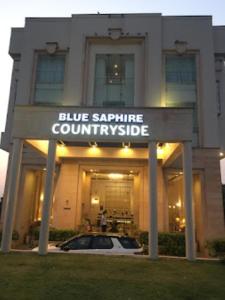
112 192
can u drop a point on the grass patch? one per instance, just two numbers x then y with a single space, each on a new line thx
66 276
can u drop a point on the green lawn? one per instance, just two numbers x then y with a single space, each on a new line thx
66 276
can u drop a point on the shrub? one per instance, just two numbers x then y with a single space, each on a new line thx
54 234
216 248
169 243
15 235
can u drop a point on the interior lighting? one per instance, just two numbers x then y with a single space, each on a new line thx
221 154
178 204
42 197
115 176
160 150
95 200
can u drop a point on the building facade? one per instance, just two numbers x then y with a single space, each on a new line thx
118 112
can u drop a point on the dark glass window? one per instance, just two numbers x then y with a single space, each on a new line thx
114 80
78 243
49 79
129 243
181 84
102 242
218 95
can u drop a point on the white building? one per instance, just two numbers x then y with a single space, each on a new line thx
116 111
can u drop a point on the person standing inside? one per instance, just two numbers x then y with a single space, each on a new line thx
99 216
103 221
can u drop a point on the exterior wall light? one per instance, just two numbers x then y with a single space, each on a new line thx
115 33
51 47
180 46
219 64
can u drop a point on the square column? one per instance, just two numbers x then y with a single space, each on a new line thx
153 222
11 199
48 196
188 202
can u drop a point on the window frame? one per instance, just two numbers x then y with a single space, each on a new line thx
121 82
135 48
38 53
197 137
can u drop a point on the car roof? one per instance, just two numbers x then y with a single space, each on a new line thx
108 234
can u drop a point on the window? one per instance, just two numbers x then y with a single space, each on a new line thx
218 96
181 88
49 79
102 242
79 243
129 243
114 80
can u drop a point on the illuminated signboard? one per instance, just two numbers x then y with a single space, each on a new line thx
100 124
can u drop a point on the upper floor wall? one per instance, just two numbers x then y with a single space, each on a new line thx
150 38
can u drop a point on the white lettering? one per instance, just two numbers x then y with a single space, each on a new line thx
139 119
135 130
75 129
65 128
62 117
121 129
103 118
144 130
95 117
132 118
68 124
86 129
111 117
70 118
85 117
113 129
95 128
119 118
54 129
104 130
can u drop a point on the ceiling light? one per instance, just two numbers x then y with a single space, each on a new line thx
61 144
126 145
115 176
93 144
